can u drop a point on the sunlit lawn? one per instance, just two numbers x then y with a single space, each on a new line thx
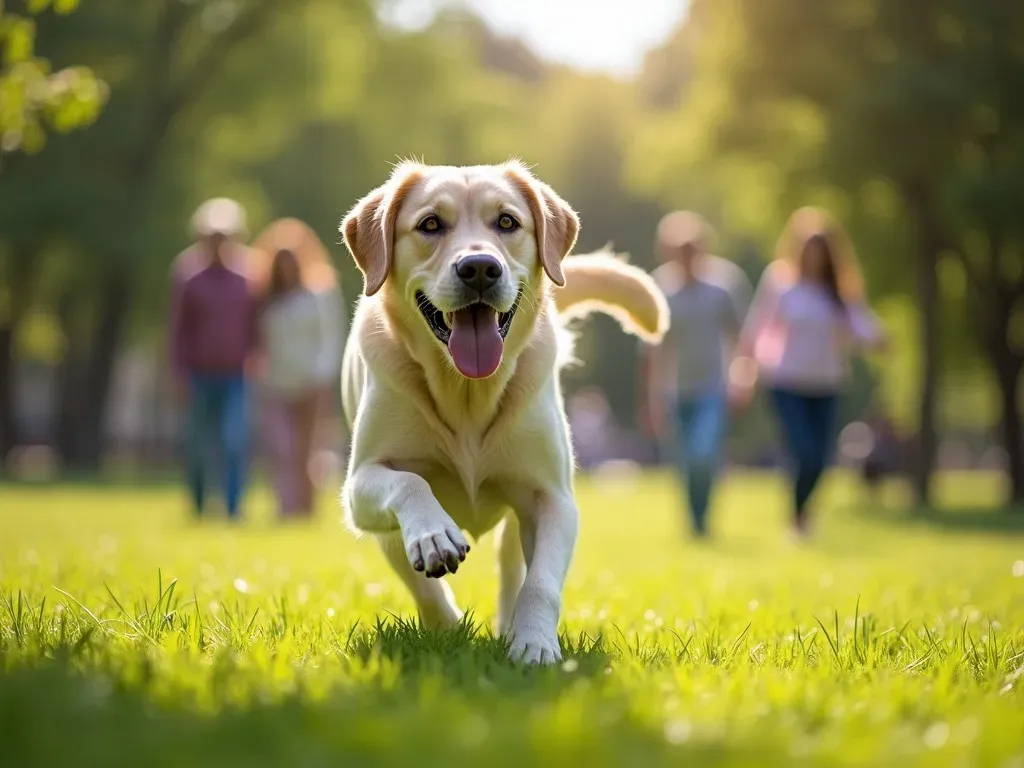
131 636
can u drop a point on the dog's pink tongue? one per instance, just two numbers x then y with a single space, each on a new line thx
476 343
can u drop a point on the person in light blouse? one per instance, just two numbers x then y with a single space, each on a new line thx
807 317
302 335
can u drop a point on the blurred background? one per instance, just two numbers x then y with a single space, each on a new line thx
118 117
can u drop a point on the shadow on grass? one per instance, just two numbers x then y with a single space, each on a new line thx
398 695
94 481
468 650
982 520
953 519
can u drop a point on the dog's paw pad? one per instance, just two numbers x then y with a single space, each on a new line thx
437 552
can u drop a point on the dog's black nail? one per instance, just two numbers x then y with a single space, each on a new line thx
418 565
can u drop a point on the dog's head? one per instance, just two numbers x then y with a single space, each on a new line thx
461 251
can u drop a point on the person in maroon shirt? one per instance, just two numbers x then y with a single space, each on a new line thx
213 338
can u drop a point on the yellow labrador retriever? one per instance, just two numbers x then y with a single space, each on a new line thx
450 382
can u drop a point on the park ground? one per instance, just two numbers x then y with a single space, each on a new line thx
131 635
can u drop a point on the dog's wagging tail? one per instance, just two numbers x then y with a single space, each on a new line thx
606 283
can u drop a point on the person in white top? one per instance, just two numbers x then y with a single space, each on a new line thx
302 328
807 316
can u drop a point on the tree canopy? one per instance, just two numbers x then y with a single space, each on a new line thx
34 97
903 120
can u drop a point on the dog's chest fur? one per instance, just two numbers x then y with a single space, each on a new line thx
484 447
466 479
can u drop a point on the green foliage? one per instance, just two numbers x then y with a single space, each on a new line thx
746 112
856 105
33 97
177 643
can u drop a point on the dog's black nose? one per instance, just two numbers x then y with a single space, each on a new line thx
479 271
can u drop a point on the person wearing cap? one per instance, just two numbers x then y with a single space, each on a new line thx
213 333
684 392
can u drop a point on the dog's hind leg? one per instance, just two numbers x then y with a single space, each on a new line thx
511 570
434 598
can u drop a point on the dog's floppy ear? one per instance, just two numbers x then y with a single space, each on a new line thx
555 222
369 228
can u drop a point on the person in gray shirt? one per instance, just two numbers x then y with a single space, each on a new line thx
685 377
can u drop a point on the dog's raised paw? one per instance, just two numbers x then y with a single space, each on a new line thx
536 649
437 551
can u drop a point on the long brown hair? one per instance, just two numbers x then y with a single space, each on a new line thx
275 284
808 227
828 276
296 237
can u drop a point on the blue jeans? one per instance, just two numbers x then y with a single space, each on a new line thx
701 421
808 426
218 414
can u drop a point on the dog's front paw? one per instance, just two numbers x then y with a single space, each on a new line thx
531 647
436 550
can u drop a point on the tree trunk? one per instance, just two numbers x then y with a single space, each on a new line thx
19 275
995 309
927 244
97 373
1013 443
8 424
71 402
1008 367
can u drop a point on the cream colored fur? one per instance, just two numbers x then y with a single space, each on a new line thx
603 282
435 455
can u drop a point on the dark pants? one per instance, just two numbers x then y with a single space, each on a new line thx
218 415
808 426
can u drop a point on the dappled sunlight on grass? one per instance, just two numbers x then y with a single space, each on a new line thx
179 641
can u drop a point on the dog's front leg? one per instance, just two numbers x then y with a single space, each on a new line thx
547 528
384 501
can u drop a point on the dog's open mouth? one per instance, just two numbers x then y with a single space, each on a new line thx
475 335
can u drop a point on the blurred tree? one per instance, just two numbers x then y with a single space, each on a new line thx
668 69
304 116
160 59
32 99
915 106
927 96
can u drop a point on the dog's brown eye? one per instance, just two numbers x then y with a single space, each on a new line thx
430 224
507 223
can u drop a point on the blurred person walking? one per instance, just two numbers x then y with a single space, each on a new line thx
807 316
302 327
213 336
685 385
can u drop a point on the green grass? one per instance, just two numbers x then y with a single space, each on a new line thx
130 635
